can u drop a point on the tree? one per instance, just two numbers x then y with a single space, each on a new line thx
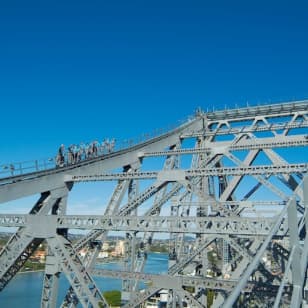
210 297
113 297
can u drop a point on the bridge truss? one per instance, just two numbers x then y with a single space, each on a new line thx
231 182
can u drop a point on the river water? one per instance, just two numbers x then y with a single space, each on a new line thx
25 289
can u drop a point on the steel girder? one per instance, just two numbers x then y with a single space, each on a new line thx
22 244
161 224
178 175
235 150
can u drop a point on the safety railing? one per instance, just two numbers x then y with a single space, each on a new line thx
25 167
13 169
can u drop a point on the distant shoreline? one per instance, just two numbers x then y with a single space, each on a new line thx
102 260
25 272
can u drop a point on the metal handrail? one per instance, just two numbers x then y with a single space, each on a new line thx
44 164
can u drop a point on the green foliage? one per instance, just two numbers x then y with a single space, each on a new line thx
31 266
212 258
113 297
210 298
159 248
3 241
189 289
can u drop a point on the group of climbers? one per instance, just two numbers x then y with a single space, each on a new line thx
79 152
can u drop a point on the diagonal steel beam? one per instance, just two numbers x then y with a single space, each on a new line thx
22 244
252 266
79 278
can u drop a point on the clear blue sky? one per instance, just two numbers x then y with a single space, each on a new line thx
74 71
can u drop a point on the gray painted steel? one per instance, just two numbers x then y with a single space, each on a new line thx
233 180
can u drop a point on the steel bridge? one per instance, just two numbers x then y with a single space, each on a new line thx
234 182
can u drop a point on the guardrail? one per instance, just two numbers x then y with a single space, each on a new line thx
13 169
25 167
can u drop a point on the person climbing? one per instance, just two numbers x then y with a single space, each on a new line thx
94 148
103 147
112 145
70 155
12 168
60 156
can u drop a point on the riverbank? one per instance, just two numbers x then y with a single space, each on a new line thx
32 271
28 288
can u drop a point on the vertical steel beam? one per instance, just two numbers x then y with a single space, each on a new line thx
50 283
254 263
295 262
22 245
52 272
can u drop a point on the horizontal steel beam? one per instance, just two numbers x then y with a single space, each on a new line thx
248 144
246 129
176 175
246 203
46 225
173 281
253 111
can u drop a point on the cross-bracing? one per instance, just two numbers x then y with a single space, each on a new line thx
234 181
